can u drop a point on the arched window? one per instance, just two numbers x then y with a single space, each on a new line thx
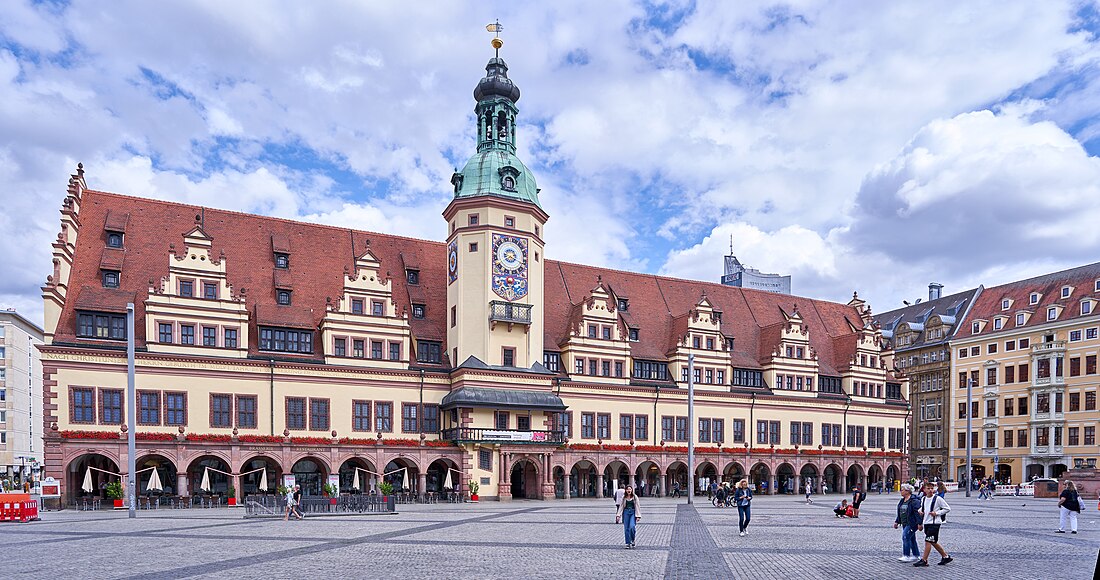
502 126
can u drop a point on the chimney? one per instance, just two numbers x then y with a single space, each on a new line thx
934 290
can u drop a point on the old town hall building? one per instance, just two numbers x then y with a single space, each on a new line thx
271 351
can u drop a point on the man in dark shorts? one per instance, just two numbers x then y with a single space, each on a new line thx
934 511
858 496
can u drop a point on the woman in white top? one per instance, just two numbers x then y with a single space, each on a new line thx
933 509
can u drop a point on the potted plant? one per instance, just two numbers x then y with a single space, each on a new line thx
114 491
232 494
386 488
474 487
330 492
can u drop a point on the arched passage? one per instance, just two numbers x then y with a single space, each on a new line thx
311 473
760 476
831 479
705 474
582 479
166 472
215 468
78 472
1058 470
784 479
875 478
1004 473
647 479
524 477
1033 471
892 476
733 472
367 480
678 477
402 473
438 471
268 468
809 475
854 478
615 475
560 482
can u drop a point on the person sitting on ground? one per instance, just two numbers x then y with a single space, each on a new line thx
841 509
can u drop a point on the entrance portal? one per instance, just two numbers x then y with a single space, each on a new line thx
524 481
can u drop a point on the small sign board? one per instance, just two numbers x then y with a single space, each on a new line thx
334 481
51 487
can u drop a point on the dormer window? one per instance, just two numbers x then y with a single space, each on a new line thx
111 278
975 328
282 261
624 304
114 240
1006 304
1021 318
1034 298
1086 307
508 183
997 323
1066 291
418 310
412 276
1052 313
634 334
717 316
187 289
283 297
1096 287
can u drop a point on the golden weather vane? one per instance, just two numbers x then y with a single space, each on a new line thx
496 29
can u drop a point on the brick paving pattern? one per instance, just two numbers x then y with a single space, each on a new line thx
1006 538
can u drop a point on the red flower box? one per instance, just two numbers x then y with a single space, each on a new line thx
155 436
88 434
617 448
311 440
707 450
584 447
785 451
650 448
260 439
208 437
735 450
438 443
401 442
350 441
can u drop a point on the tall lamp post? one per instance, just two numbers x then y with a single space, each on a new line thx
131 408
691 425
969 413
908 433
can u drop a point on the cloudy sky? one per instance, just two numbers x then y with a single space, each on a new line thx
855 145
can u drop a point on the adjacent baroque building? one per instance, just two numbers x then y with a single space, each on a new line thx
277 350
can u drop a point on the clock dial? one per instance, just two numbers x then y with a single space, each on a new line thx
452 262
510 256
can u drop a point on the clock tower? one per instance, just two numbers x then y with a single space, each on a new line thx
495 239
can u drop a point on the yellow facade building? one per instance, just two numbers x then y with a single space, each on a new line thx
1029 351
289 351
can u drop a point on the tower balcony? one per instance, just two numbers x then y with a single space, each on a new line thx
510 313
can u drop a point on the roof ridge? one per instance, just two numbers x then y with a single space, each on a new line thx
1033 279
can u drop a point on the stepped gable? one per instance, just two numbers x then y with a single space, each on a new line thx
320 254
988 304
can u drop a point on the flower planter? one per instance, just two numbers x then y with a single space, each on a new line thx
473 497
232 501
332 501
118 504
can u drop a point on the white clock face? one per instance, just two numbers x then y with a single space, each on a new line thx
510 256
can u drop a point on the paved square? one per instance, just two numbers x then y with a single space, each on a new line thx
1006 538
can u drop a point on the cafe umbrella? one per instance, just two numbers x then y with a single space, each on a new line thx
87 487
154 482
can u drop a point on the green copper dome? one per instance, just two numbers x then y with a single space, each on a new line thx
496 172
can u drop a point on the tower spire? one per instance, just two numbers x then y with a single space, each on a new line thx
496 29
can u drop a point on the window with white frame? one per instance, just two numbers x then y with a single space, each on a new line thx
1086 307
975 328
1034 298
1052 313
1005 304
1020 319
1066 290
997 323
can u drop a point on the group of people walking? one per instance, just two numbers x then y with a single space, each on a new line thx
926 514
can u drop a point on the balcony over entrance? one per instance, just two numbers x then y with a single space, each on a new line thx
479 435
509 313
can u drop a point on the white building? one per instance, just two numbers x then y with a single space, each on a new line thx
20 398
738 275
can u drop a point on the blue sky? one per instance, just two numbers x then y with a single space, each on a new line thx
858 146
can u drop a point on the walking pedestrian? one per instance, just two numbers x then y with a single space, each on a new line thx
809 492
619 493
298 501
941 490
933 511
743 498
909 520
629 515
858 495
1069 505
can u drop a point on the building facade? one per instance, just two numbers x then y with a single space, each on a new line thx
736 274
20 399
291 351
919 337
1029 353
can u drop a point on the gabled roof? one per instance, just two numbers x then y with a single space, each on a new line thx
918 315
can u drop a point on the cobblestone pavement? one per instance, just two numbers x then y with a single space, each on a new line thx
1005 538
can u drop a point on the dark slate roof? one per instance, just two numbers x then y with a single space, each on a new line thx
485 397
917 315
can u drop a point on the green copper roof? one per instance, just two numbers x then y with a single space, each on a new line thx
490 172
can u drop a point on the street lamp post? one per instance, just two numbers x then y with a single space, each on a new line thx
131 408
969 414
691 425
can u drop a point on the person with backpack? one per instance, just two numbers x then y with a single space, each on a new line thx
909 520
743 498
1069 504
933 512
629 514
858 495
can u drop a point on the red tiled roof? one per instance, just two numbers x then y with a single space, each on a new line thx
988 304
116 221
101 299
112 259
321 254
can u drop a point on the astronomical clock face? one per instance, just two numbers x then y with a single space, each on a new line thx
509 266
452 262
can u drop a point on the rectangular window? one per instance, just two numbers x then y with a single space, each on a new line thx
1074 434
383 416
164 332
1090 364
360 415
429 352
1008 407
410 422
1057 402
508 357
603 426
430 418
148 407
110 406
485 459
718 427
340 347
991 408
1042 436
588 425
319 414
221 411
523 422
1075 401
99 325
565 423
1021 438
296 413
1008 437
738 430
1090 401
356 305
395 351
1010 374
626 427
1090 435
762 432
187 334
82 403
681 429
990 439
286 340
579 363
187 288
991 376
209 336
376 349
175 408
246 411
796 433
720 377
1022 405
641 427
358 348
592 367
551 360
230 338
282 261
377 308
773 432
209 291
667 429
605 332
807 433
704 430
619 368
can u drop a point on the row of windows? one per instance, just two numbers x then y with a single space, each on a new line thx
991 348
286 340
1042 404
154 407
167 334
1043 437
598 368
794 383
704 375
378 350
